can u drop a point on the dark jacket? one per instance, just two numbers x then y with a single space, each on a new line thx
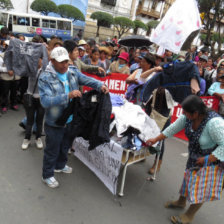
176 78
91 118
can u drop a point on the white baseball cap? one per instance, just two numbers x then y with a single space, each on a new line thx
59 54
82 48
7 42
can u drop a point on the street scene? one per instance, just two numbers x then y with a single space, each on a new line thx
82 198
111 111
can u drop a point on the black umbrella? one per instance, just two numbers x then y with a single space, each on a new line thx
135 41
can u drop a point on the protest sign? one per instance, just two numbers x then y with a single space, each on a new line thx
180 21
116 82
210 101
104 161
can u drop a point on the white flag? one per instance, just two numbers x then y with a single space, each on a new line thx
180 21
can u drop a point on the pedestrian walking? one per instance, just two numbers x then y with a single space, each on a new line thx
205 130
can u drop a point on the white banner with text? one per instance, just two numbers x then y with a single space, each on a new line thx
104 161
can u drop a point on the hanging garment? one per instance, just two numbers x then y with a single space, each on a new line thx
176 78
23 57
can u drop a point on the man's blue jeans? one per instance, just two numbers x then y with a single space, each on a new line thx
56 150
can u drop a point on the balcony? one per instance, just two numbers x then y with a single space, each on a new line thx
148 12
109 2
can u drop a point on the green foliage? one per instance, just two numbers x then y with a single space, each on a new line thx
152 24
139 24
103 18
6 4
203 37
70 12
205 5
123 25
213 14
214 37
44 6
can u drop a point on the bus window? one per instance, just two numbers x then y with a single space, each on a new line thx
52 24
45 23
35 22
60 25
64 25
24 21
67 25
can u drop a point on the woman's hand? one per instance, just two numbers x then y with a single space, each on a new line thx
151 141
132 81
201 160
158 69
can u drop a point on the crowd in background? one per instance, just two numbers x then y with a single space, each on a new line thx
109 57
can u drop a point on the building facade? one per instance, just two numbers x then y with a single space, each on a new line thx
148 10
143 10
126 8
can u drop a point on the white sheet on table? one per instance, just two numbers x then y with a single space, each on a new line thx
131 115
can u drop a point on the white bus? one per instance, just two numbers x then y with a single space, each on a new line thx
30 25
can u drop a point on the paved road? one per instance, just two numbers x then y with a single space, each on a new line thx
81 197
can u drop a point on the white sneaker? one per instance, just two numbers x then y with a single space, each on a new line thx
39 143
51 182
26 143
66 169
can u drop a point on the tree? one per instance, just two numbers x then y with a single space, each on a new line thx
139 24
219 20
213 13
103 19
6 4
70 12
151 25
216 37
44 6
123 25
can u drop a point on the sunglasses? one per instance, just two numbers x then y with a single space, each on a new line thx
222 65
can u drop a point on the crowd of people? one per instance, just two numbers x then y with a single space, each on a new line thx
54 86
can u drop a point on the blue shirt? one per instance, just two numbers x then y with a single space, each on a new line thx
64 78
215 88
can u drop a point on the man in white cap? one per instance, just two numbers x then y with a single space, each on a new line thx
57 85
